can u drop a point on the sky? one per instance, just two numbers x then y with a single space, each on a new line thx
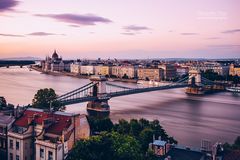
120 28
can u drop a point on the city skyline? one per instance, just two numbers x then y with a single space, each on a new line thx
137 29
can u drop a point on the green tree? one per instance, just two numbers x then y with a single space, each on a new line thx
146 136
100 124
107 146
236 144
44 98
122 127
135 128
126 147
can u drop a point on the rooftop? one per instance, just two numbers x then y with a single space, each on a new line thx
159 143
5 119
59 120
185 154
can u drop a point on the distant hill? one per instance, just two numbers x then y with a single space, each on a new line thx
22 59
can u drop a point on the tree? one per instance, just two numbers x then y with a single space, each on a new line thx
126 147
122 127
146 137
125 76
236 144
135 128
107 146
3 103
100 124
46 98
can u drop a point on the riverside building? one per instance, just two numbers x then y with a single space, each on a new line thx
150 74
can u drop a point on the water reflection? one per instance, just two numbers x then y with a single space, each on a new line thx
189 119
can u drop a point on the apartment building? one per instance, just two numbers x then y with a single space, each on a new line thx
214 66
152 74
102 70
75 68
234 70
169 71
124 71
116 71
6 122
180 71
87 70
41 135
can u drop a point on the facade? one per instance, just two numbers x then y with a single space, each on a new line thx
166 151
116 71
234 70
55 64
152 74
44 135
215 67
5 124
128 71
75 68
180 71
102 70
169 71
159 147
87 70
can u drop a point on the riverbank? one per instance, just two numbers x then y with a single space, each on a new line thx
80 76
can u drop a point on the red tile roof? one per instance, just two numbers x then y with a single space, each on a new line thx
39 117
60 121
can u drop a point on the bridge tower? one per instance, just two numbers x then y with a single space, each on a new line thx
194 77
195 87
99 107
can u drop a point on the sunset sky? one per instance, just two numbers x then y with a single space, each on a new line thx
120 28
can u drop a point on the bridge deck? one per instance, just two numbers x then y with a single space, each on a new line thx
142 90
121 93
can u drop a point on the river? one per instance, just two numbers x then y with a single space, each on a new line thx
189 119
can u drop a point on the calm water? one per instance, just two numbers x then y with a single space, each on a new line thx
189 119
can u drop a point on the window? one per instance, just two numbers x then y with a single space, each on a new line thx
50 155
11 143
17 157
41 153
11 156
17 145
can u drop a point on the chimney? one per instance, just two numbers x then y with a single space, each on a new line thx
153 137
29 119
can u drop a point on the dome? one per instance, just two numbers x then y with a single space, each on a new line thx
55 55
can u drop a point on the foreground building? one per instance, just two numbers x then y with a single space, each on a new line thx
6 122
166 151
44 135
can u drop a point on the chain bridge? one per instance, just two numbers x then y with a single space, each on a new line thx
99 91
